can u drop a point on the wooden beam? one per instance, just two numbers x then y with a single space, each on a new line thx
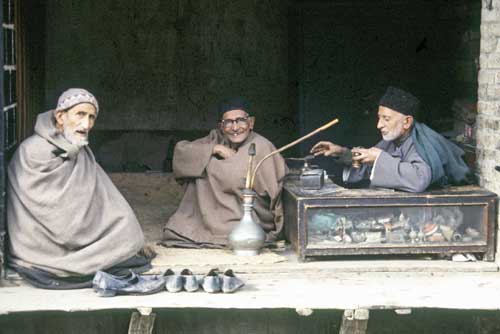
354 321
141 323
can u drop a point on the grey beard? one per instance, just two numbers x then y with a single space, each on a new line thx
393 135
389 137
78 142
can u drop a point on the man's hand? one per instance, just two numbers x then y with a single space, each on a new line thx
223 151
365 155
327 149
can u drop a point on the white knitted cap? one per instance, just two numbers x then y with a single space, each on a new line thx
74 96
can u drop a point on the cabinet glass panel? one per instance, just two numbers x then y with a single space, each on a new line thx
371 226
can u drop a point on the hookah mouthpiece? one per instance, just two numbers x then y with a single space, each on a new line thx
251 149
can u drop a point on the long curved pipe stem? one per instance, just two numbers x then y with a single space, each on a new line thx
287 146
251 155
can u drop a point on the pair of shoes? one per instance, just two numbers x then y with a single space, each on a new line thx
186 280
107 285
228 282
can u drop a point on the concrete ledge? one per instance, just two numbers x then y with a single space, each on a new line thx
471 291
374 284
326 268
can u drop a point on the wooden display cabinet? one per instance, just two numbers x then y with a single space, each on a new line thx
337 221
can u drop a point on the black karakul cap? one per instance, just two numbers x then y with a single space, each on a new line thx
400 101
233 104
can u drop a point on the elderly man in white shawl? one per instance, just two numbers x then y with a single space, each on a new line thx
66 219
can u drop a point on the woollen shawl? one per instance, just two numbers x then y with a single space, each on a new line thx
64 214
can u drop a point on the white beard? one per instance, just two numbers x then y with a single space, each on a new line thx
76 140
394 134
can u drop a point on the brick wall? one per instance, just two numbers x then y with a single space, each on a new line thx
488 122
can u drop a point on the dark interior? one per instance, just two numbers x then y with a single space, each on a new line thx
160 67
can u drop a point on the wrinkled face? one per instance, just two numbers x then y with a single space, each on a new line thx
236 125
392 124
77 122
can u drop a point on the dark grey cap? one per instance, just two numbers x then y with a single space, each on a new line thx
400 101
233 104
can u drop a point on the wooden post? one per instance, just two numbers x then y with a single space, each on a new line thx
354 321
142 323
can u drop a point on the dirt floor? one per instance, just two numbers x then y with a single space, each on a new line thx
153 196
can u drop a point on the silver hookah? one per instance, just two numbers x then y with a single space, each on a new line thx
247 238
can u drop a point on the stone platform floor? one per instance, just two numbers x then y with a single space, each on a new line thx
354 284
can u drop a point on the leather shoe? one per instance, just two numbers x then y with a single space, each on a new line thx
230 283
144 286
105 284
173 282
211 282
190 282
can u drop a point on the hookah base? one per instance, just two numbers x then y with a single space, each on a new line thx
245 252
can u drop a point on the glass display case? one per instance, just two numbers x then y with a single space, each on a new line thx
338 221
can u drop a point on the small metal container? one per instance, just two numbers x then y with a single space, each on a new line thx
312 179
356 163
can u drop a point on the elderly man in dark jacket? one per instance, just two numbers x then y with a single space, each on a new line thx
410 156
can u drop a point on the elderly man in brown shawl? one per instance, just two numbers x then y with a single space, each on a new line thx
66 219
213 170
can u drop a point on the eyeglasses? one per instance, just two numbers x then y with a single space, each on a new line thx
240 121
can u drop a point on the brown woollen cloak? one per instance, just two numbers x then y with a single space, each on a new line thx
212 206
64 214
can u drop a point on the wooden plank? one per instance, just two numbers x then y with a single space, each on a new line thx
141 323
354 321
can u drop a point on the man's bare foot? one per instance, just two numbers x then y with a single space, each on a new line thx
148 252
